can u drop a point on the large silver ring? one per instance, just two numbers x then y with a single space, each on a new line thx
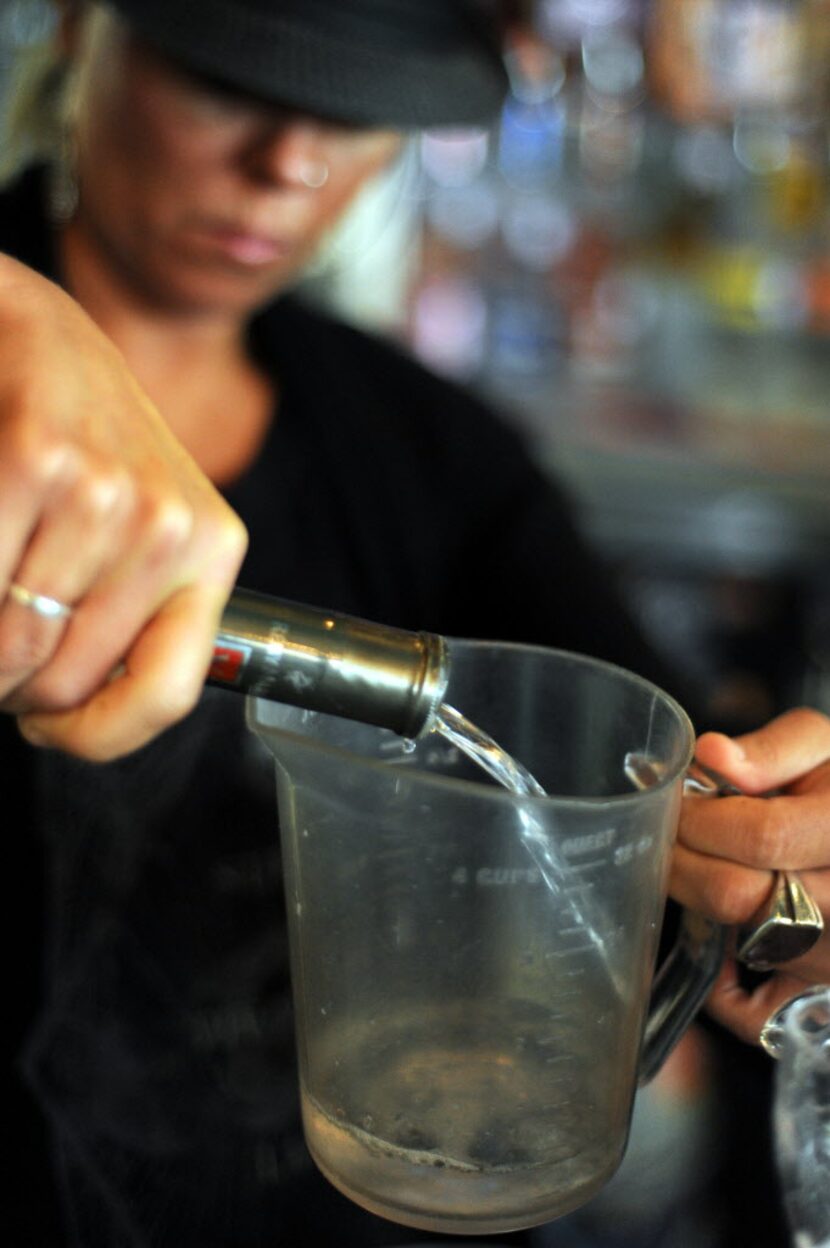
42 604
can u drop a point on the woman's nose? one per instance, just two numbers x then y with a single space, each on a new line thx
290 154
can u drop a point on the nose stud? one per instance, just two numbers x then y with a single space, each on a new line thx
314 174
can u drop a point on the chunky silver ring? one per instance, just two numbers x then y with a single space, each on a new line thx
49 608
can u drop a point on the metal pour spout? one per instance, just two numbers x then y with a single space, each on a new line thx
325 661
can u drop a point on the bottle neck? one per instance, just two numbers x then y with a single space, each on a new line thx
324 661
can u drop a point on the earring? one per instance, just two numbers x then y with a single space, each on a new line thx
314 174
63 191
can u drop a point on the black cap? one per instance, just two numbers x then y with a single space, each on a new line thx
400 63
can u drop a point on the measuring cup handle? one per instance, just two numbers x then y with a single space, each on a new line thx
680 988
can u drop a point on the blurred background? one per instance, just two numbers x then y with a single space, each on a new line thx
633 264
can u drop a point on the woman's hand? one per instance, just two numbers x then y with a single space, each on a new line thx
729 849
100 509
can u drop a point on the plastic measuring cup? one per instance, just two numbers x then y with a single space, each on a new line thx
472 970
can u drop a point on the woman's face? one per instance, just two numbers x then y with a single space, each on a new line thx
198 196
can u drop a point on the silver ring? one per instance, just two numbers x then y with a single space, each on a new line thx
773 1031
42 604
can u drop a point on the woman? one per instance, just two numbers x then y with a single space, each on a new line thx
169 393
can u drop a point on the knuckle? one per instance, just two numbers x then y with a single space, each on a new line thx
166 525
228 540
236 535
36 456
220 543
104 491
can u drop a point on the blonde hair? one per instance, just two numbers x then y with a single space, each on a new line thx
43 97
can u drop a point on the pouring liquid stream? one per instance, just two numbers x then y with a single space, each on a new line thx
487 753
507 771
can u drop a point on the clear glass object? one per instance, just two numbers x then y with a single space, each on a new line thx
471 968
799 1036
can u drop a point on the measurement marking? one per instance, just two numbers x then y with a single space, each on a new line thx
569 953
543 1044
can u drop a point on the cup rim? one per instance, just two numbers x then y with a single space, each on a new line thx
479 788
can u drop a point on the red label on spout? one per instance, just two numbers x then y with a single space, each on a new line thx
228 663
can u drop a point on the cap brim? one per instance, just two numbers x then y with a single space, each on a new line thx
290 61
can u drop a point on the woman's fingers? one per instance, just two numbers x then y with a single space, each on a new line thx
722 889
786 748
100 508
730 848
731 892
76 539
162 677
124 622
790 832
745 1011
112 620
738 896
